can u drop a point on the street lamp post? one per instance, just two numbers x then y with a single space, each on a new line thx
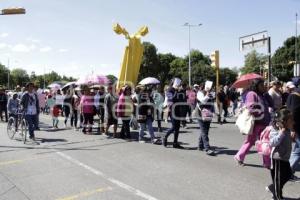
190 25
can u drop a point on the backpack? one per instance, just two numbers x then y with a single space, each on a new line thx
263 144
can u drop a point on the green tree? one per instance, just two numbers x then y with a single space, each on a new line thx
112 78
149 65
227 76
3 75
254 62
164 63
19 77
282 65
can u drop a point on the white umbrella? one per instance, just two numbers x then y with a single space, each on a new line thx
55 86
70 84
149 80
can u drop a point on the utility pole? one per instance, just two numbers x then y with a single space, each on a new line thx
8 75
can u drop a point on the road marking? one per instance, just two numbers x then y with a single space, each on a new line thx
86 194
112 180
11 162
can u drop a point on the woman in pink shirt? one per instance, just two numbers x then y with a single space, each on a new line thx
87 110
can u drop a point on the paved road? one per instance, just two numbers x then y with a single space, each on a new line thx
68 165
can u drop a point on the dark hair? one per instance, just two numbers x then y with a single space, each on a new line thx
254 85
29 84
280 117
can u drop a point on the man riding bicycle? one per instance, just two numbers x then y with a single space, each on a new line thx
30 104
12 108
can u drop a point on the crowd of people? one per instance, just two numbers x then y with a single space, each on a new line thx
276 105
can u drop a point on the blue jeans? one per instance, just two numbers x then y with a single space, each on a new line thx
295 156
203 138
174 128
143 127
32 121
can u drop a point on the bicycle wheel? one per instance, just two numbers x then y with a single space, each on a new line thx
11 128
24 130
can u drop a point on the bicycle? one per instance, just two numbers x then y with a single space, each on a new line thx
17 122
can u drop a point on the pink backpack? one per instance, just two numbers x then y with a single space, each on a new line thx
263 144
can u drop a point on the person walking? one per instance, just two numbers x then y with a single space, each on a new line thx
145 110
175 114
206 108
67 106
293 104
30 104
258 106
3 104
87 110
75 102
281 143
125 111
275 94
158 99
110 102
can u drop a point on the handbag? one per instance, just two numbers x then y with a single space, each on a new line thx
133 123
263 144
206 115
245 122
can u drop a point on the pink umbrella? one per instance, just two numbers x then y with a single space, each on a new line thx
245 80
93 80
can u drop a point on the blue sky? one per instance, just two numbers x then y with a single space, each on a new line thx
75 37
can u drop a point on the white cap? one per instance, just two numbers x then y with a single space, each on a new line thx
290 85
196 85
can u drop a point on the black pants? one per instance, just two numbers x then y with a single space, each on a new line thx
174 128
159 118
281 174
67 113
74 118
125 131
88 119
3 109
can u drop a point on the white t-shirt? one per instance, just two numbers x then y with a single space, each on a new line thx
31 108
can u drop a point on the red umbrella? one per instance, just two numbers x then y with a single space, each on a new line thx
245 80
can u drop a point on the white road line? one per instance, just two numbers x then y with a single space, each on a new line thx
112 180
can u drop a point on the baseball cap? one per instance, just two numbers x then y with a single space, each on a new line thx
290 85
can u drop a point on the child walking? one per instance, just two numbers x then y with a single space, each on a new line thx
281 143
55 114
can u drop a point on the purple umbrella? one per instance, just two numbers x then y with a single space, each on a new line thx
93 80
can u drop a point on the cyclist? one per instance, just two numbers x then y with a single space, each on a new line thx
30 104
12 108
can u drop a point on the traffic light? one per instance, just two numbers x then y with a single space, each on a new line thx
266 75
13 11
214 57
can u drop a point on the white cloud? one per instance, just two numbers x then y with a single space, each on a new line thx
20 48
3 45
33 40
45 49
63 50
32 47
3 35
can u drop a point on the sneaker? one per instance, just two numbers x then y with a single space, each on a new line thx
142 141
177 146
32 138
154 141
200 149
270 189
295 179
239 162
165 141
210 152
